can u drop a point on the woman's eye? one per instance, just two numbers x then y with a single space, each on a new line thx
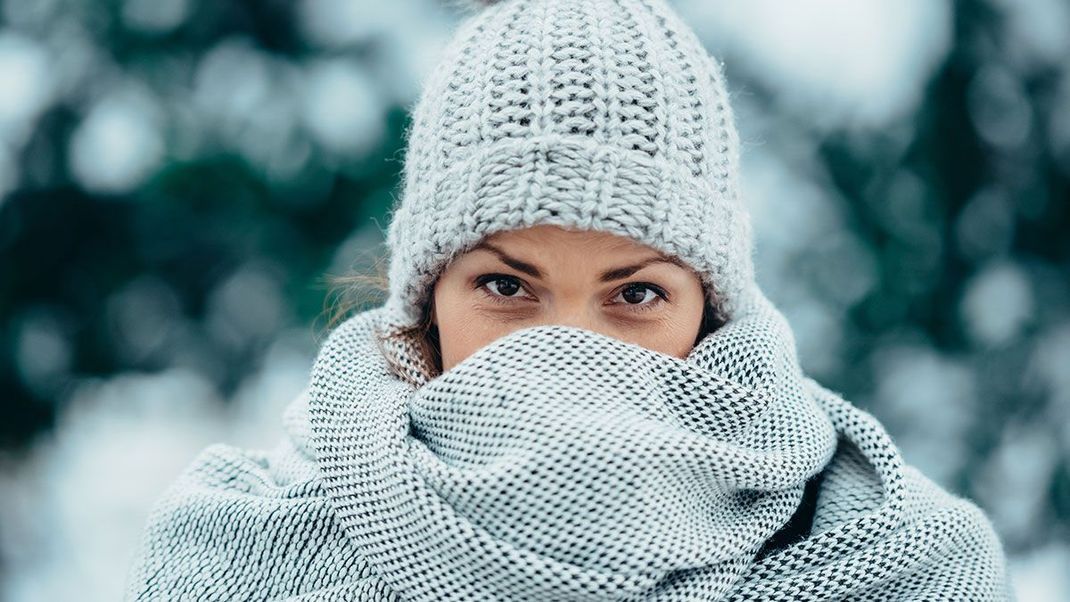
501 286
641 296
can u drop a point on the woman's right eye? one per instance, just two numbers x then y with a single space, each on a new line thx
500 286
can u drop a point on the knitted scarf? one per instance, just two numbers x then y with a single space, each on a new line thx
557 463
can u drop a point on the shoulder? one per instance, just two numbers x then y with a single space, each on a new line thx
973 543
921 539
880 526
240 522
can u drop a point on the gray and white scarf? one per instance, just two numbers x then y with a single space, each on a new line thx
557 463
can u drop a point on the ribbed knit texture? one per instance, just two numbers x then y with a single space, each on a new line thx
591 114
557 463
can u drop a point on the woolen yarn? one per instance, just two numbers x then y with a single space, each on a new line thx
589 114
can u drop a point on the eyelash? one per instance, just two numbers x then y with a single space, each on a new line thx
482 281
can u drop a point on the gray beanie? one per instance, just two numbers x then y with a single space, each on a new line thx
591 114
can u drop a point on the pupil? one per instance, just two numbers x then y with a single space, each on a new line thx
640 290
506 289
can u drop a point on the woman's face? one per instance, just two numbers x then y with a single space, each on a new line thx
551 275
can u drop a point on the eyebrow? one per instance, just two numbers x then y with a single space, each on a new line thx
607 276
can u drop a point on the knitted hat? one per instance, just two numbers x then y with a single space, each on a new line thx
590 114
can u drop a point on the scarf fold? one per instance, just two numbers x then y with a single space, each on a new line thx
556 463
559 463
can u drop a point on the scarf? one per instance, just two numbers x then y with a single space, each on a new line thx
556 463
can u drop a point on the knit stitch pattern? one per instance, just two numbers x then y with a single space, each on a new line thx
586 114
558 463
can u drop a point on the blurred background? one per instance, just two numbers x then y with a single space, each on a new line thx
179 178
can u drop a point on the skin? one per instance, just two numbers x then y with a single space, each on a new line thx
485 294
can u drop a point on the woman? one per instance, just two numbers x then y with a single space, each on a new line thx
575 389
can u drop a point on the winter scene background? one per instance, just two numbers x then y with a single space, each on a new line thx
179 180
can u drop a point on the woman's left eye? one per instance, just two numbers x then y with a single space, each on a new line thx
641 297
